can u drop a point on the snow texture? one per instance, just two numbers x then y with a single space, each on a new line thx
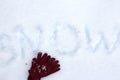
83 34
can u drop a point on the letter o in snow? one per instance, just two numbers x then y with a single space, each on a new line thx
66 39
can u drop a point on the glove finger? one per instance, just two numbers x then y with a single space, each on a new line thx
39 56
54 65
44 58
47 59
34 63
48 64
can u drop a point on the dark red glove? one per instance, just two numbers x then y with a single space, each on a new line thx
43 66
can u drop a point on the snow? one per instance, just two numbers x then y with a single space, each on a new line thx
84 35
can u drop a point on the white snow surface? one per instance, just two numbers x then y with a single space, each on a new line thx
84 35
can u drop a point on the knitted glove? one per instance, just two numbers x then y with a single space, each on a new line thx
43 66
